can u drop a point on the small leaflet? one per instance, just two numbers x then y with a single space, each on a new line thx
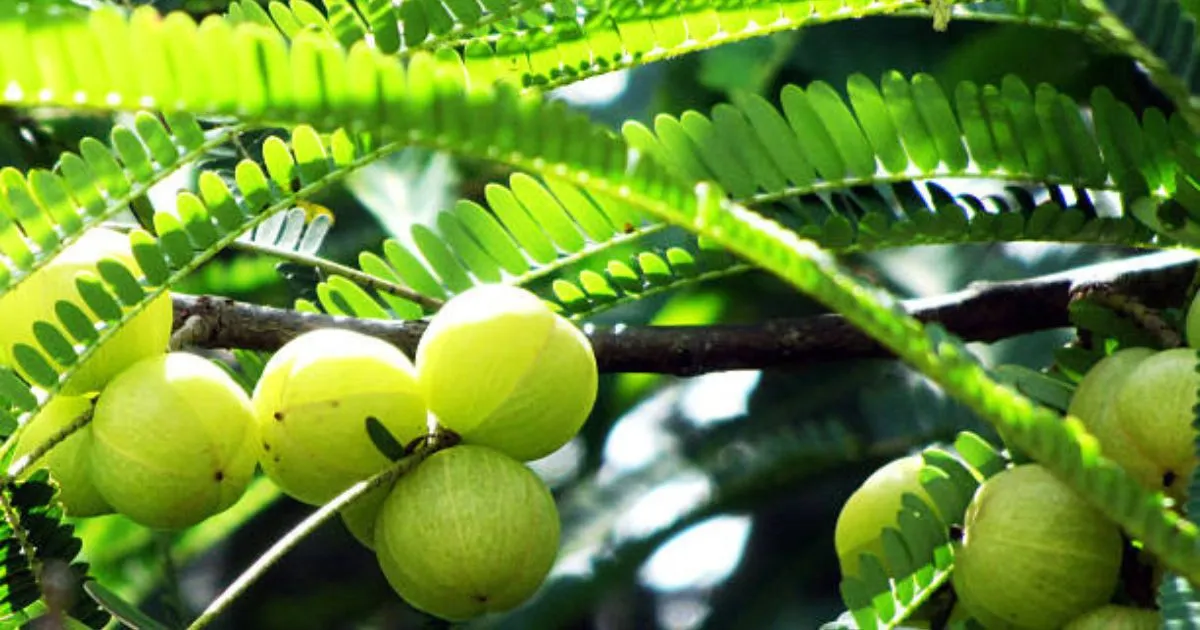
941 10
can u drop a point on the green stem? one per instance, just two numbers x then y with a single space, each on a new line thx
27 461
332 268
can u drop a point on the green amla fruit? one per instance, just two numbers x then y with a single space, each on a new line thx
502 370
469 531
312 404
1155 406
874 506
35 297
360 517
1094 403
1112 617
1034 555
68 462
173 441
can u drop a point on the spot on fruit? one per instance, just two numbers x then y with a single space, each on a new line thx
219 476
278 415
335 403
1168 478
266 447
482 599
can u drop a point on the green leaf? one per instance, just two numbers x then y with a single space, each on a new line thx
126 612
383 440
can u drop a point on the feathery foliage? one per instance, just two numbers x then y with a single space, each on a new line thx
39 546
593 219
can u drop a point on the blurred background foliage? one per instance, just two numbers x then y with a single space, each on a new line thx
706 502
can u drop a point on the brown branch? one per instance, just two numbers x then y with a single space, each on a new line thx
983 312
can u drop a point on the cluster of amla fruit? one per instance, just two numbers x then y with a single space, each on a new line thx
1033 554
471 529
174 439
171 440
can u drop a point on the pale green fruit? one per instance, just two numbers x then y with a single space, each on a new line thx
1094 403
68 461
173 441
958 617
874 506
312 404
469 531
500 369
1155 407
1112 617
34 299
1034 555
360 517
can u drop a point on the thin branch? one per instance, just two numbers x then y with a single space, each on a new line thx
361 278
26 461
983 312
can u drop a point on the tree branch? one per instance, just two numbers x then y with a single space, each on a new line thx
983 312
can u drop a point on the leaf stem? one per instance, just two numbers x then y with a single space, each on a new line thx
328 266
27 461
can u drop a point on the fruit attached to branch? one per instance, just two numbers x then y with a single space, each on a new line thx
1112 617
469 531
312 405
68 461
1156 405
173 441
1034 555
874 506
502 370
34 299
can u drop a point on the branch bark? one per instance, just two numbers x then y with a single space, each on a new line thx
982 312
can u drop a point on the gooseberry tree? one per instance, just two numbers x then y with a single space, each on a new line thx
426 390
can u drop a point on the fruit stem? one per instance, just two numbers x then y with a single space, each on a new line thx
27 461
192 330
432 443
1146 318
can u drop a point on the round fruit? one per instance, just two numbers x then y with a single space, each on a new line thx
173 441
1034 555
1117 618
34 298
68 461
312 404
1094 403
1155 408
500 369
469 531
874 506
360 516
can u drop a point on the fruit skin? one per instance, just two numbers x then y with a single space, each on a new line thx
68 462
1094 403
874 506
1154 405
1112 617
1034 555
500 369
360 517
311 406
173 441
34 298
469 531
